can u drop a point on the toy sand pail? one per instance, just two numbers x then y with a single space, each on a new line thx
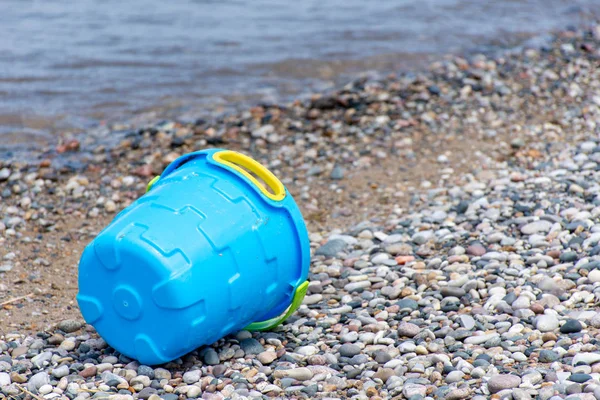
207 251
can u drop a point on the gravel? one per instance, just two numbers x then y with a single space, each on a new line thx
483 281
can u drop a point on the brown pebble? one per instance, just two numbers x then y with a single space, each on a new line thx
73 145
384 374
548 336
144 171
476 250
211 388
19 351
57 338
402 260
17 378
458 259
89 372
537 308
553 253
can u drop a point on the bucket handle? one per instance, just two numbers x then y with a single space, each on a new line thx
269 324
238 162
242 164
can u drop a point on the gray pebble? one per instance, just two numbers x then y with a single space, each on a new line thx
251 346
37 381
331 248
349 350
192 376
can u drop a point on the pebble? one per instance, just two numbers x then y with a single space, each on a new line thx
300 374
548 356
4 379
331 248
594 276
69 326
267 357
580 378
37 381
251 346
480 339
546 323
408 329
502 382
192 376
61 371
571 326
349 350
531 228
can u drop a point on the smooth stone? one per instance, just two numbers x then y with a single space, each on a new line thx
307 350
211 357
580 378
45 389
61 371
546 323
536 227
267 357
422 237
452 291
408 329
41 359
331 248
382 357
384 374
349 350
548 356
454 376
300 374
480 339
503 382
146 392
410 304
521 302
467 321
251 346
586 358
476 250
37 381
571 326
594 276
458 394
192 376
193 392
568 256
69 325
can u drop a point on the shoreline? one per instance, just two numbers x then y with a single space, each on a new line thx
214 108
439 206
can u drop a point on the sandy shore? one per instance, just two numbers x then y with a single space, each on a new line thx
454 219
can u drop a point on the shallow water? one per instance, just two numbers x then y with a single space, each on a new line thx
69 65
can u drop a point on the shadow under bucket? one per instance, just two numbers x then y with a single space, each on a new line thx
206 252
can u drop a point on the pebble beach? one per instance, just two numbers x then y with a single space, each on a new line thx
454 219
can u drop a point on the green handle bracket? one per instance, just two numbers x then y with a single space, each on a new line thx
151 183
273 322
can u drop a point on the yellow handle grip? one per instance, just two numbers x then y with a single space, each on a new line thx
240 161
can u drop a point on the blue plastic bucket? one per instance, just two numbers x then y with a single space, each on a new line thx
206 252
